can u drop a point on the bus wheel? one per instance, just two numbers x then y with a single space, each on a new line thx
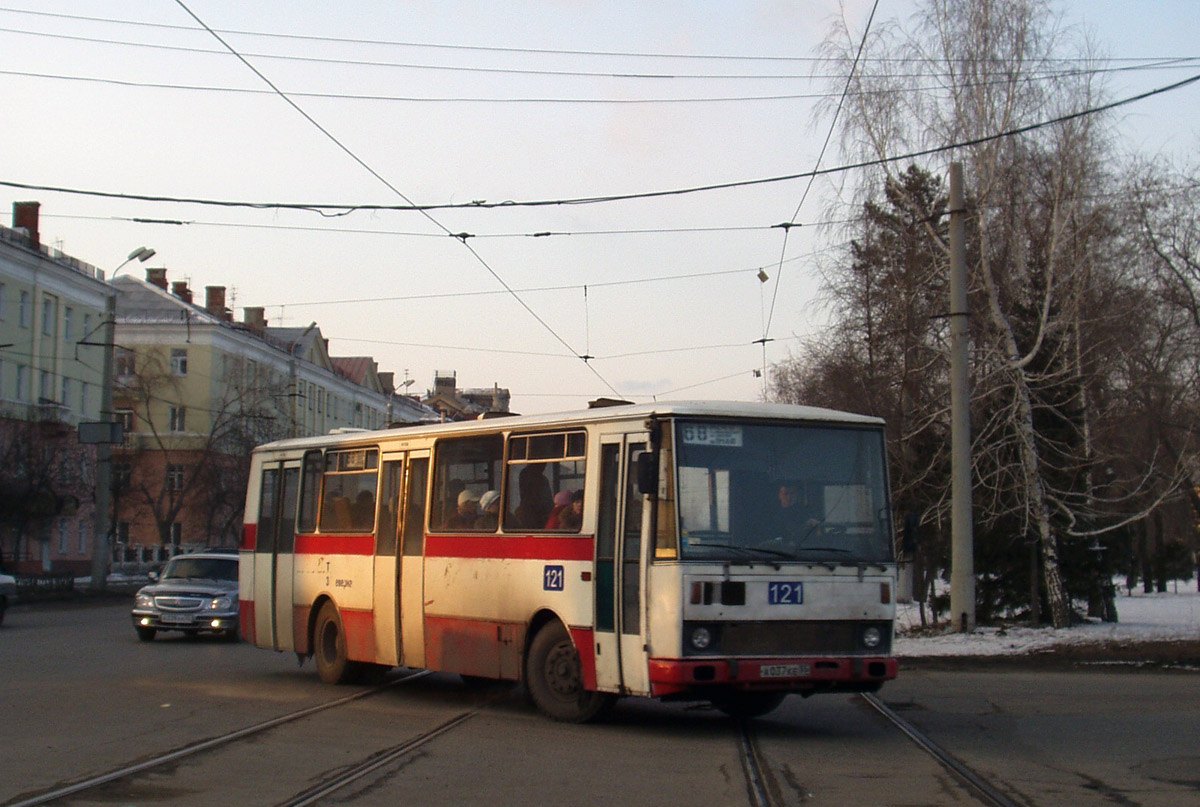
329 647
554 678
748 704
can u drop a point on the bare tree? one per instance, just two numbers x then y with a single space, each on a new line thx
193 460
1057 295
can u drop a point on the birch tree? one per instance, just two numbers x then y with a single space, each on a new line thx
1054 296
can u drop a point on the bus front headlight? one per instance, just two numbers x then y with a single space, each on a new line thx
701 638
871 637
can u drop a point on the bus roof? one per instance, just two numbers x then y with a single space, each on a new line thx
704 409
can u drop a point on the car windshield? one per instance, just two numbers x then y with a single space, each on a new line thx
201 569
759 492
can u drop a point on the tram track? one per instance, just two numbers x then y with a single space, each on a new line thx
977 785
203 746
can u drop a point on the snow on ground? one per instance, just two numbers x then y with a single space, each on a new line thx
1174 615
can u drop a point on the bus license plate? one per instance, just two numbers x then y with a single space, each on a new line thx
785 671
176 619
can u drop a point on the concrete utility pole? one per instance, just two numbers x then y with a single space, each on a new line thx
962 554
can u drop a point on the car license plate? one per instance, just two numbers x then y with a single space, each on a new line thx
785 671
176 619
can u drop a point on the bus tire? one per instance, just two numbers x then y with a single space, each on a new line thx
554 678
744 705
329 647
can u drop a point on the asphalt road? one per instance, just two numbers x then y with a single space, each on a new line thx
80 696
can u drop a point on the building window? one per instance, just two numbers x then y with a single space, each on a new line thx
68 323
122 475
63 541
49 314
125 418
175 478
83 536
178 361
68 389
22 383
46 386
177 420
25 312
125 364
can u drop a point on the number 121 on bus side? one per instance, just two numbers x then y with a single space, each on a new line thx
732 553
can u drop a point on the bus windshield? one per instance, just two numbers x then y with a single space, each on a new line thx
778 493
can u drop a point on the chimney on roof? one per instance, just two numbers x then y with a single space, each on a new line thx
25 217
180 289
255 320
214 302
157 277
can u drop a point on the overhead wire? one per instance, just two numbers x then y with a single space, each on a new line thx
342 209
479 258
500 49
808 187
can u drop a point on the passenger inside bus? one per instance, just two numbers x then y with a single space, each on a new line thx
562 500
571 517
489 512
466 512
536 500
362 513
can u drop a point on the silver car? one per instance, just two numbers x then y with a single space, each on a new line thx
194 593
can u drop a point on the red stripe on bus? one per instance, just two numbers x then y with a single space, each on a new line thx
246 618
249 536
521 547
335 544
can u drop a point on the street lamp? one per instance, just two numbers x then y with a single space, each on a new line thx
141 254
101 545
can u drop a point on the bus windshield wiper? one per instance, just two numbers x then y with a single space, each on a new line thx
775 553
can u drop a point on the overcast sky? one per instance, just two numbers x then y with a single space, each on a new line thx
452 102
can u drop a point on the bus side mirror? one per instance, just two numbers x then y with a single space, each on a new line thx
647 474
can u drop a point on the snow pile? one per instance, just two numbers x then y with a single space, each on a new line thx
1144 617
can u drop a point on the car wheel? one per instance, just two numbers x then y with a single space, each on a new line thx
146 634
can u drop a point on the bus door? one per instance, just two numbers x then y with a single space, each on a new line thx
620 556
411 582
386 567
273 561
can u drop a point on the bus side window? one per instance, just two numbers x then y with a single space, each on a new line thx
465 468
545 482
414 506
310 492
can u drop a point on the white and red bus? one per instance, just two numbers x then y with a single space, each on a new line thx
728 552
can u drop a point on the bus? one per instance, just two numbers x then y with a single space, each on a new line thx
723 552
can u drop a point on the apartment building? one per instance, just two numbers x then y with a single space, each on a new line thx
52 309
196 390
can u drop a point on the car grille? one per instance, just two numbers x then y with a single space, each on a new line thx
175 602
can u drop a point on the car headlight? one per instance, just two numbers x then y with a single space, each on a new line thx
701 638
143 600
220 604
871 637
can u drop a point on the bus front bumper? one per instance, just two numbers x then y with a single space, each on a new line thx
804 675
